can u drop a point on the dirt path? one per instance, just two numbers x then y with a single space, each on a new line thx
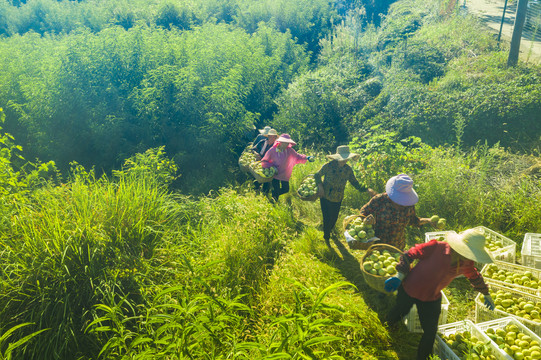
490 13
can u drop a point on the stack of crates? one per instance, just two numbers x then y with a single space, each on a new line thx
531 250
482 313
479 330
513 268
412 319
503 322
442 349
509 247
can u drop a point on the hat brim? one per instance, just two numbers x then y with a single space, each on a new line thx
351 156
482 256
289 141
401 198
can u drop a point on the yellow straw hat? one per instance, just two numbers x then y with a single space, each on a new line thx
471 245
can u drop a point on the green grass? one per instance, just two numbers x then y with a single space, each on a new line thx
120 268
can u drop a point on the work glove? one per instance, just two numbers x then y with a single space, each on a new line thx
310 158
489 303
392 283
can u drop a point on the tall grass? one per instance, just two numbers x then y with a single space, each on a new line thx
71 247
486 186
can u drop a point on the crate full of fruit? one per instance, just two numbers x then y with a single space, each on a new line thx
513 338
510 302
531 250
501 247
522 278
463 340
412 319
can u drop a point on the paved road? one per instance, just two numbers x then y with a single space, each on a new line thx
490 13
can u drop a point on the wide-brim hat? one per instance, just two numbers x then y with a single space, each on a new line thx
272 132
285 138
471 245
265 130
343 153
399 188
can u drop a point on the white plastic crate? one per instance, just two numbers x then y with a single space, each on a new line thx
482 313
502 323
438 234
444 351
531 250
412 319
514 268
509 247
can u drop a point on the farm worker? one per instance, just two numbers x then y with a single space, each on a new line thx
260 149
263 133
336 174
262 146
439 263
283 158
393 210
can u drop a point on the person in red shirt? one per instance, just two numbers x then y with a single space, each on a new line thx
439 263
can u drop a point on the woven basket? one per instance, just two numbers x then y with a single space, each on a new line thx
244 168
375 281
312 197
259 178
356 245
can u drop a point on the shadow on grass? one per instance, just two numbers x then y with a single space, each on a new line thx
403 342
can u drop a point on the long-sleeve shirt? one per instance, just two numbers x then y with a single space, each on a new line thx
335 180
435 271
262 147
391 220
284 161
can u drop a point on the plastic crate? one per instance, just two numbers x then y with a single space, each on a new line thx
503 322
438 234
509 249
519 269
482 313
531 250
412 319
445 352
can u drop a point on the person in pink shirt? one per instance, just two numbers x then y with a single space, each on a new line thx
283 158
439 263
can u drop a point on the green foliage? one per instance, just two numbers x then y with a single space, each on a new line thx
298 280
307 20
384 155
487 186
103 97
72 246
317 106
152 163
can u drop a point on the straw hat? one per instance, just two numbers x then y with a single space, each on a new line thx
272 132
285 138
471 245
342 153
265 130
400 190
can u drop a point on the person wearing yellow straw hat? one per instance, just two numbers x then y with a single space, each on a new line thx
439 263
336 174
263 133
